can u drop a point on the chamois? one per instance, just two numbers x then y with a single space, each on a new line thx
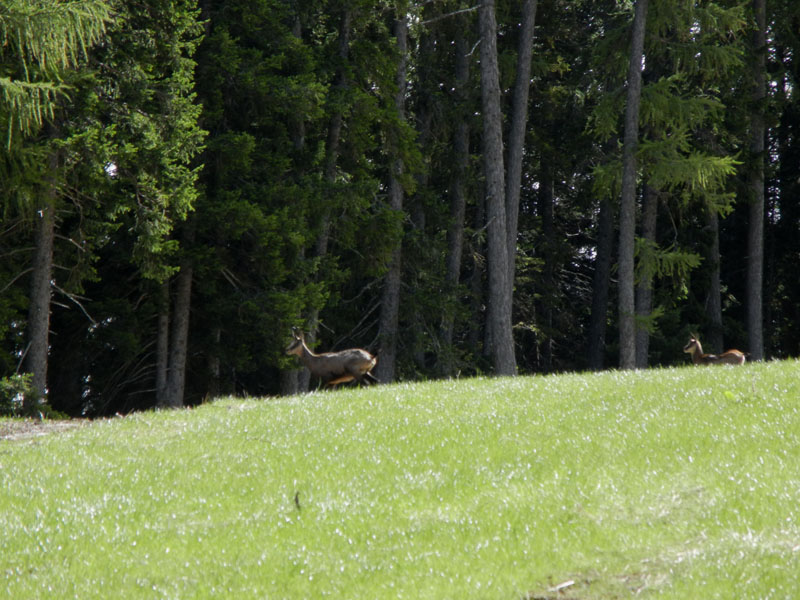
729 357
333 368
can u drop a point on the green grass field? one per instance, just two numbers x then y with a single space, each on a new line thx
674 483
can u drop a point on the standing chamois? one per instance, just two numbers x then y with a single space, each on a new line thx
730 357
333 368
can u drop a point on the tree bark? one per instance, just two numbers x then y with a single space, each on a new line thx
755 233
600 285
179 334
547 214
290 382
38 330
499 317
215 364
458 201
627 217
477 336
179 331
334 133
714 299
644 289
162 347
296 380
516 135
332 144
390 304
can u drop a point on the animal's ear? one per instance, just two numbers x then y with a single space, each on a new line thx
295 333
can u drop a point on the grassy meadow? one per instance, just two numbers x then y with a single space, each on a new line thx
673 483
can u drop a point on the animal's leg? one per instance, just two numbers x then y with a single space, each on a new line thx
342 379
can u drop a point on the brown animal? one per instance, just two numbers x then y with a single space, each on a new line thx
729 357
333 368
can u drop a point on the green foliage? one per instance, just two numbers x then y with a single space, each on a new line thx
302 138
13 391
146 84
653 261
43 38
694 56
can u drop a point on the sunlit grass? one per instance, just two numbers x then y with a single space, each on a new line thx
683 483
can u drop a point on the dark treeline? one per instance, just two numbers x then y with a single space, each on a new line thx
508 187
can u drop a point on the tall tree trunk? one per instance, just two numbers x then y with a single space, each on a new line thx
179 336
334 131
290 382
755 233
418 211
390 303
38 331
516 134
162 347
295 380
600 285
499 318
458 200
477 336
644 289
627 213
714 300
546 212
215 364
179 332
332 144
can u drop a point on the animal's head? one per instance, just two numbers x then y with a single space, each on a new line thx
691 344
296 345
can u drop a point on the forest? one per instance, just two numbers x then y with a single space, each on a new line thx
460 187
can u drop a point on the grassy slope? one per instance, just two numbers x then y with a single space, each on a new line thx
681 482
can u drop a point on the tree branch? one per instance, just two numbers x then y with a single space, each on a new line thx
74 299
451 14
10 283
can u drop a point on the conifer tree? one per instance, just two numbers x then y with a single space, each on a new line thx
500 297
627 219
143 188
694 54
39 41
755 232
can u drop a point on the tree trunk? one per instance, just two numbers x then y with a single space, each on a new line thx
418 335
755 233
714 300
334 133
215 364
294 381
179 335
390 303
38 331
162 347
546 212
332 144
458 201
644 289
627 216
516 135
499 318
290 382
478 328
600 285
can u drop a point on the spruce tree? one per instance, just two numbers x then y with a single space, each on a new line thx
39 42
